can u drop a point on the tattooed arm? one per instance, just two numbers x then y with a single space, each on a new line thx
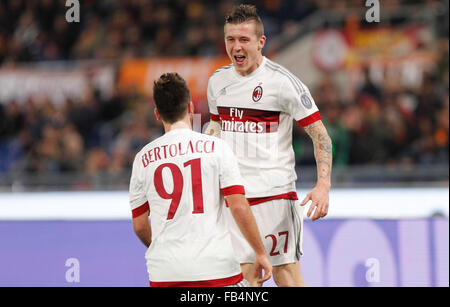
319 196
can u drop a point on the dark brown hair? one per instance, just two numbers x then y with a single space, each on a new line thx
245 13
171 96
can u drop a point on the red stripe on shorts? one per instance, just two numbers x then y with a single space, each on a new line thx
221 282
258 200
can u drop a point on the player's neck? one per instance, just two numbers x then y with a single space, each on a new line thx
181 124
254 67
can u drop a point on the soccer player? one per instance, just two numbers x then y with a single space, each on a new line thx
253 103
182 179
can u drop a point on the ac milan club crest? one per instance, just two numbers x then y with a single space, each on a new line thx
257 93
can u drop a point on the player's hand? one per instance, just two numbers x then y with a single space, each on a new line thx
319 197
262 263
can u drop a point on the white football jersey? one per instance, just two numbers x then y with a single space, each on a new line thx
182 178
256 115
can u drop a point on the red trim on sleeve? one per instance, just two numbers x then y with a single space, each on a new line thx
221 282
215 117
234 189
310 119
258 200
140 210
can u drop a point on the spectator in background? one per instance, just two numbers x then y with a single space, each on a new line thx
338 133
327 94
89 39
441 132
368 87
12 120
85 116
72 149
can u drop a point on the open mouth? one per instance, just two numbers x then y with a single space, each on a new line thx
239 59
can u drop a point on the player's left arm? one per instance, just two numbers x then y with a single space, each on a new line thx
142 228
323 154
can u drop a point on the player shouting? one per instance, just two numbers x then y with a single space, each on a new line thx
252 103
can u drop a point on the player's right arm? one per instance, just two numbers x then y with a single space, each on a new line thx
214 124
245 220
140 208
213 128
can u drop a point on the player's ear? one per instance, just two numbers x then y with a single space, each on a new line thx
262 42
158 117
191 107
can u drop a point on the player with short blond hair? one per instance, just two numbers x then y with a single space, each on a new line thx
253 103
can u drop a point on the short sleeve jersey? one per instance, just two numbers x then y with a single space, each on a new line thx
182 177
256 114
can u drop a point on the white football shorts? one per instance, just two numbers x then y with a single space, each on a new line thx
280 224
242 283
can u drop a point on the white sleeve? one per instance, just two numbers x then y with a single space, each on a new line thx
229 175
212 101
138 198
296 100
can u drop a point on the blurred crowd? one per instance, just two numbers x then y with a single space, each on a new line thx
386 123
36 30
95 136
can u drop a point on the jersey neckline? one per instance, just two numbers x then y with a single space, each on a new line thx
253 73
178 130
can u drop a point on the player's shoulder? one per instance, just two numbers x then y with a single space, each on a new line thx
148 146
194 136
284 75
221 75
222 70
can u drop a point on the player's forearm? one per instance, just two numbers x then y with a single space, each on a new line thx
143 230
245 220
323 152
145 236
